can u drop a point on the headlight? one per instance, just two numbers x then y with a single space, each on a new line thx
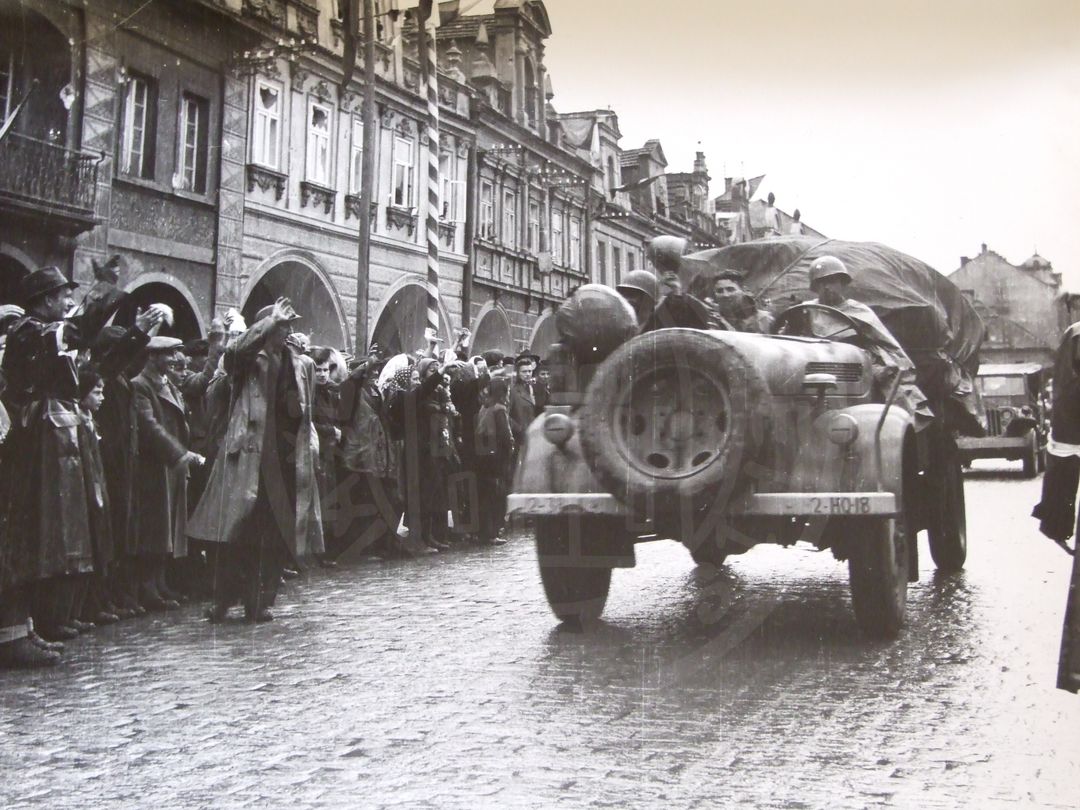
1006 415
842 429
558 428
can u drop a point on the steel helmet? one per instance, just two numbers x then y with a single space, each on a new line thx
827 267
640 280
664 252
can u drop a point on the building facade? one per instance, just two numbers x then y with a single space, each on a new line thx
215 146
1021 306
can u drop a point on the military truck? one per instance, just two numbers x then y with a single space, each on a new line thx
722 440
1015 423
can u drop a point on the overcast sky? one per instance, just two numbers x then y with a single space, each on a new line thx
930 126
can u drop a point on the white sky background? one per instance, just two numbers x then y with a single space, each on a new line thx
930 126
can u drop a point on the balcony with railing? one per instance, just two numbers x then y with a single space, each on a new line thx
38 177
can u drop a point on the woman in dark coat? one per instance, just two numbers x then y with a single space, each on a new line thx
44 507
494 453
409 418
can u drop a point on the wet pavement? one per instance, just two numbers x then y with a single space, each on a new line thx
445 683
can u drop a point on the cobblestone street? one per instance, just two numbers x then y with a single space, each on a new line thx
445 683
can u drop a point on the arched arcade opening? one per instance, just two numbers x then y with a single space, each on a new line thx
544 334
403 319
493 332
185 326
310 296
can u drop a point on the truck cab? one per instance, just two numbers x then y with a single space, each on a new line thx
1011 395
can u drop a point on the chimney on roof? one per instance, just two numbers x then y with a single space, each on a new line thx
984 248
699 163
964 260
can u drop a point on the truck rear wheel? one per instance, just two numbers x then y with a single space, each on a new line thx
948 526
575 583
1031 455
878 572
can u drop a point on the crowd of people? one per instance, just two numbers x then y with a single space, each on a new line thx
138 472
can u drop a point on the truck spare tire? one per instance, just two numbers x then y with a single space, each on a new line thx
670 419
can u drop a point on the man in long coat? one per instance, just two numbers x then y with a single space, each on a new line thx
262 500
164 459
44 506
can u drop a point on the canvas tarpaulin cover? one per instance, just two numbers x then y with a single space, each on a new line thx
930 317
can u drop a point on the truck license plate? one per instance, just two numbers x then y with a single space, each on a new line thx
826 504
840 505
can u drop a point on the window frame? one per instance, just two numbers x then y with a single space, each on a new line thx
452 190
534 225
148 125
260 144
558 247
487 209
575 243
509 218
200 149
316 138
356 155
408 175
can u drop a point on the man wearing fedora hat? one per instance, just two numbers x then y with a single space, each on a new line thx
261 501
164 460
45 540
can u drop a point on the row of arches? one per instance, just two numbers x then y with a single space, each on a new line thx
399 323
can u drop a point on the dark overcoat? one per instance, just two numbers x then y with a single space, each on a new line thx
44 503
118 426
161 486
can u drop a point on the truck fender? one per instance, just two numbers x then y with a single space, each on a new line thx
894 433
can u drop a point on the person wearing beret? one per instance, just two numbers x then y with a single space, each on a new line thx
164 460
45 541
261 503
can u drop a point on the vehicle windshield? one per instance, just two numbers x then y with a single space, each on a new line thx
997 386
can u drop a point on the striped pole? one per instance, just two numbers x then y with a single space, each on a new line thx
431 86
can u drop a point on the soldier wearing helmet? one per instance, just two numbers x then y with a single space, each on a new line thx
830 280
641 290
